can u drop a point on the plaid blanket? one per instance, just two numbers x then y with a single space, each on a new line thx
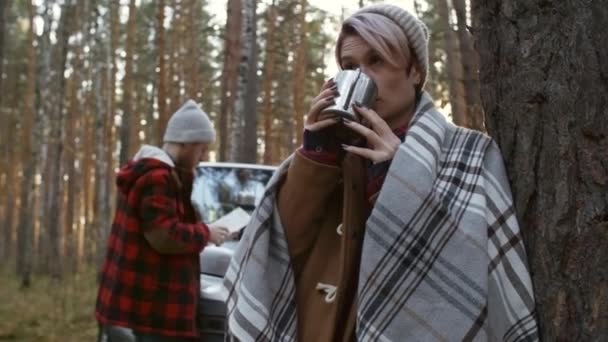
443 258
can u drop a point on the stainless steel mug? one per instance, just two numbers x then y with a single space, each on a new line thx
354 87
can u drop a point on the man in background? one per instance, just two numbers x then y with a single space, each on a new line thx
150 277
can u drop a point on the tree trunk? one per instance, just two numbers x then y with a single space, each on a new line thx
11 188
89 235
10 158
29 160
246 105
128 113
55 236
268 82
284 91
74 124
163 115
45 109
300 70
175 60
247 40
470 65
100 200
110 128
232 37
193 87
71 156
543 76
453 66
5 5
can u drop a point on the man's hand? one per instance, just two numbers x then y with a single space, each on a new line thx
218 235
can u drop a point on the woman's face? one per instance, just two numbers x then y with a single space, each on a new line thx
396 86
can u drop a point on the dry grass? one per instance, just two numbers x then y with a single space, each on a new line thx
49 310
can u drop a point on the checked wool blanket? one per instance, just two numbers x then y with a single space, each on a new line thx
443 257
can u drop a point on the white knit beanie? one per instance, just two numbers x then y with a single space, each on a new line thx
415 30
189 124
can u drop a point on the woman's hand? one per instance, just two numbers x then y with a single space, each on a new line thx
325 99
384 143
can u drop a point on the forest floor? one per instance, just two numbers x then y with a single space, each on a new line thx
49 310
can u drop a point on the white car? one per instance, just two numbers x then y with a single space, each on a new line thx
218 189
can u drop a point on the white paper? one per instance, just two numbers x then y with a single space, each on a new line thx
234 220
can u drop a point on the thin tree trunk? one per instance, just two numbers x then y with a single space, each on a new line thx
11 191
175 59
110 128
128 113
56 144
5 5
470 64
284 91
246 105
192 62
271 17
546 106
163 115
300 70
73 128
47 102
70 158
29 159
89 235
100 205
11 165
453 66
229 73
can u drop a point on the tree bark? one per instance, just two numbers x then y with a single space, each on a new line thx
232 37
543 77
300 70
284 90
9 188
163 115
245 93
29 161
110 127
12 181
11 160
46 74
5 5
103 92
128 113
453 66
56 146
244 123
175 57
470 65
269 62
89 234
192 63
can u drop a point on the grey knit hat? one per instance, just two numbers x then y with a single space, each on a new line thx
415 30
189 124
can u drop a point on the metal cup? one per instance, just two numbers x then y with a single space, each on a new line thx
354 87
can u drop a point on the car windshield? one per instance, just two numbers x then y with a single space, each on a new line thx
219 188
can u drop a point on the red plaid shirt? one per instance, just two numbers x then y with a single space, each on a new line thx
140 288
